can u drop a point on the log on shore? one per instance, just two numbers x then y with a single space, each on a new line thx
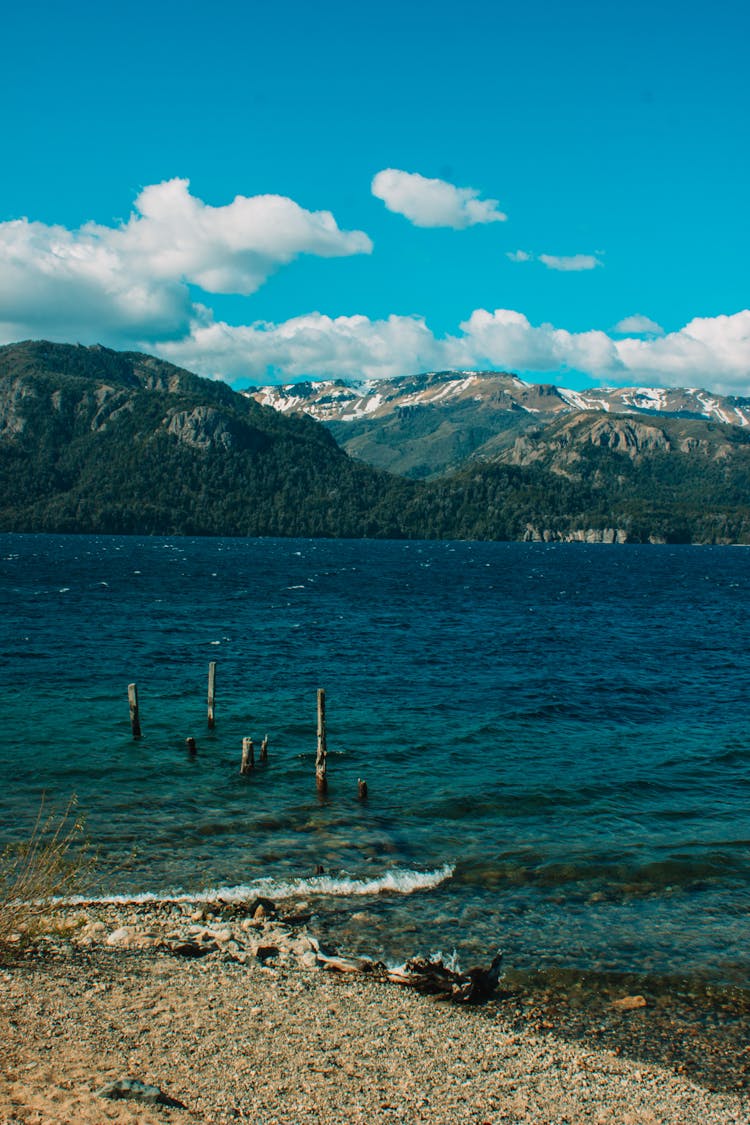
435 979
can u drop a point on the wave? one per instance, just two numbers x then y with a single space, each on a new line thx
402 881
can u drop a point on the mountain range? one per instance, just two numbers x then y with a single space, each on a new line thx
426 425
99 441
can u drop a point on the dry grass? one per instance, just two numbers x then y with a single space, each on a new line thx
54 863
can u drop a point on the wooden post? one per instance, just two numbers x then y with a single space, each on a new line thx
264 749
320 758
135 718
361 788
211 694
192 748
248 756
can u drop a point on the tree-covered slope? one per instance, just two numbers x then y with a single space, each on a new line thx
95 440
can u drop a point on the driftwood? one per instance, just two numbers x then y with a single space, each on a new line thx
435 979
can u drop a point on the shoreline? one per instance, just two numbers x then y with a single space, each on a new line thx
241 1016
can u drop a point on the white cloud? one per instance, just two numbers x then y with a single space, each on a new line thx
311 346
712 352
708 351
131 280
433 203
508 339
573 263
128 285
638 325
230 249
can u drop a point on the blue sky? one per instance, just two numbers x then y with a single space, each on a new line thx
558 190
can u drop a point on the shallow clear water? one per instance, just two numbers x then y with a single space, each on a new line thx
555 737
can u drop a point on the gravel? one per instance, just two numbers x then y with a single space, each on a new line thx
273 1041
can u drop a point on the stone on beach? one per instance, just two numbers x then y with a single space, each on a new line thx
132 1089
123 935
630 1003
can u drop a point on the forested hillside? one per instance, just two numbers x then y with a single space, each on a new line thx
93 440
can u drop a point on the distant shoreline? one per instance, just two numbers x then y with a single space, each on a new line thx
576 539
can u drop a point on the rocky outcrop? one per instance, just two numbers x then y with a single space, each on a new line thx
202 427
205 427
562 447
110 404
580 535
628 436
12 413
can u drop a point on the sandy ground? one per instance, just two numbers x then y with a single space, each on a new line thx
243 1041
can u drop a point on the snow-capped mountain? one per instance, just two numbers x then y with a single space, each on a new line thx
424 425
338 401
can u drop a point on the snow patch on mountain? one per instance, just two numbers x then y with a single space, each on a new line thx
335 400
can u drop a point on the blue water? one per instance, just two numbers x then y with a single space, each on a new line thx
556 738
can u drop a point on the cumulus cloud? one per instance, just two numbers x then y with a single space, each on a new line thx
708 351
638 325
519 256
132 279
434 203
508 338
713 352
313 346
572 264
234 248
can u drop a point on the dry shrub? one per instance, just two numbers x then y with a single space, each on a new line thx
54 863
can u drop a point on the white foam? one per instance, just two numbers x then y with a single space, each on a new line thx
451 962
398 881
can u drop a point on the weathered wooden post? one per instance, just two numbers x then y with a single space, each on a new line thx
264 749
361 788
320 758
135 718
248 756
192 748
211 694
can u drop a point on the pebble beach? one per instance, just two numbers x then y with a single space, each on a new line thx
245 1018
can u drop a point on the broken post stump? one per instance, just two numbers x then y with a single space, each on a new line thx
192 748
135 718
264 749
361 788
248 756
320 758
211 694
